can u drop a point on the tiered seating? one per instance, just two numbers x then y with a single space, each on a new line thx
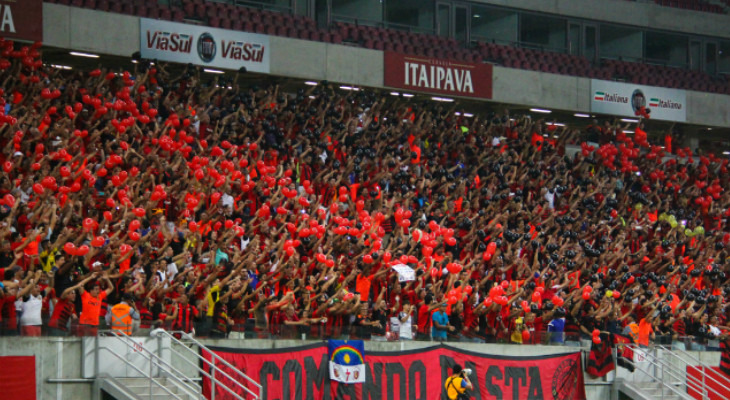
229 16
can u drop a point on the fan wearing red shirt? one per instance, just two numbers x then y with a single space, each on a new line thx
425 309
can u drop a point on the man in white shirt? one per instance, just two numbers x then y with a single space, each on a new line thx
406 322
30 319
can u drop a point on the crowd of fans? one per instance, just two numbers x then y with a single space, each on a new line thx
202 206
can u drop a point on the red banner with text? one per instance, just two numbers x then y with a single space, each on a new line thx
21 19
302 373
438 76
18 374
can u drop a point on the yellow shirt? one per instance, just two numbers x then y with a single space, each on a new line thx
48 259
212 297
454 389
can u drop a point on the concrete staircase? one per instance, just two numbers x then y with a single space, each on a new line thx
142 389
651 391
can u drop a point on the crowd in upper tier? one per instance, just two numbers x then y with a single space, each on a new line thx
203 206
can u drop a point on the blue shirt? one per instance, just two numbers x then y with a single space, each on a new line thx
443 320
556 327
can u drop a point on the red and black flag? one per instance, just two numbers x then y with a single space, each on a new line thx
600 359
725 356
624 353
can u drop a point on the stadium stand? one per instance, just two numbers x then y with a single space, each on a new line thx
271 215
229 16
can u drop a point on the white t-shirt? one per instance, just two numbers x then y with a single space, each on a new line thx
550 197
227 200
406 328
171 271
31 311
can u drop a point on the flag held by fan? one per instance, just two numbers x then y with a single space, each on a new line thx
347 361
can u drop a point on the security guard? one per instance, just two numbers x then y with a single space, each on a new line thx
121 317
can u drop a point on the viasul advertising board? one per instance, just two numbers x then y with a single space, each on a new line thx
202 45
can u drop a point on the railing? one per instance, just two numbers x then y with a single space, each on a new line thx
667 363
149 375
176 376
511 43
688 360
319 331
201 365
381 24
660 372
215 382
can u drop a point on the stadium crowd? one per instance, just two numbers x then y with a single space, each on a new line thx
191 204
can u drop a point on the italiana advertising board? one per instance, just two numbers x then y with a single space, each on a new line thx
202 45
438 76
624 99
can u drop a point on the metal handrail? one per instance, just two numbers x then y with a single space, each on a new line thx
212 364
700 384
210 376
126 390
663 384
676 353
655 361
221 359
144 374
191 389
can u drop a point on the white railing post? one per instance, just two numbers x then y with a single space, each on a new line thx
212 381
150 377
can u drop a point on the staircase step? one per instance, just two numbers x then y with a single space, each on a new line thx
141 381
164 397
145 390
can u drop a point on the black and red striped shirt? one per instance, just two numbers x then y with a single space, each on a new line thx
62 311
184 320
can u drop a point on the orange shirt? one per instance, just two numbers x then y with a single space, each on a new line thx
91 308
645 331
362 285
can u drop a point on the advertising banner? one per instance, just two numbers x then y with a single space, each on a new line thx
21 19
302 373
438 76
624 99
18 381
202 45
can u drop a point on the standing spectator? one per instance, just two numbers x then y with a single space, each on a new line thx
440 321
91 306
185 314
556 327
121 316
405 322
12 294
32 303
423 332
64 311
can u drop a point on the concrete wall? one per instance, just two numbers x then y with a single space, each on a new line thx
646 15
89 30
514 86
119 35
56 358
61 358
